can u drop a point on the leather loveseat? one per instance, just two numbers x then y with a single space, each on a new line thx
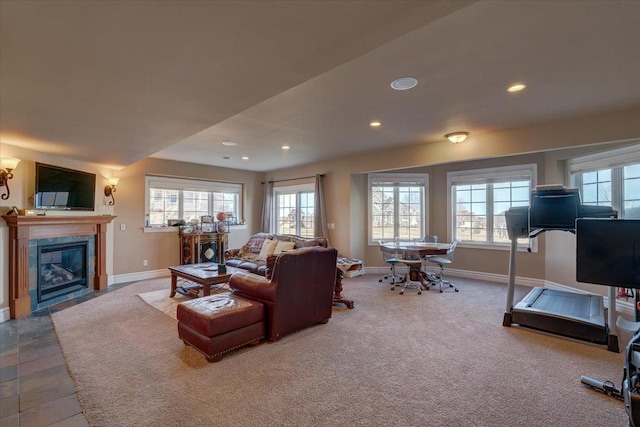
297 291
248 257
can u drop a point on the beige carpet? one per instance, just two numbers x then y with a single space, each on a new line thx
162 301
428 360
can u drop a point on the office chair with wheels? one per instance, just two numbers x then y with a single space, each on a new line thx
391 257
413 276
441 262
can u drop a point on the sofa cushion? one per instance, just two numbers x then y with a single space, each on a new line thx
268 247
248 257
283 247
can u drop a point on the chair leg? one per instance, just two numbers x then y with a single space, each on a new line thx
392 278
442 280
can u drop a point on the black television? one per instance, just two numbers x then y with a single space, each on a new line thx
64 189
554 209
608 252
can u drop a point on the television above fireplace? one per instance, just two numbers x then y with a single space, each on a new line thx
64 189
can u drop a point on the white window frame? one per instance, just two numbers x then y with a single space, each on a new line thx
615 160
191 184
398 178
289 189
489 176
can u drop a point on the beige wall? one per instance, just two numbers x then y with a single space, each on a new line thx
133 245
547 145
346 194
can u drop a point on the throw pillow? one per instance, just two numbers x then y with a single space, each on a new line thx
267 249
283 247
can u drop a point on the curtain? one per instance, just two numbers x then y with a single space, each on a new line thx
320 226
267 207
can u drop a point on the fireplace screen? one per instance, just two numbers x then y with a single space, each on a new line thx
62 270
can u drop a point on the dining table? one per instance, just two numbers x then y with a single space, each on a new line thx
413 251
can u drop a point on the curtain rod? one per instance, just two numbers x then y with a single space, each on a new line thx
292 179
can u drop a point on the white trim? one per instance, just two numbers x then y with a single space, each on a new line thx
490 175
419 180
141 275
606 159
5 314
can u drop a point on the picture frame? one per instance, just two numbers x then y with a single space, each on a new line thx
206 219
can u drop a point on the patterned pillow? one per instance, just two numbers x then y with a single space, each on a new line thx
252 248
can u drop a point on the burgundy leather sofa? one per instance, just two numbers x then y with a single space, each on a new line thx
246 257
297 290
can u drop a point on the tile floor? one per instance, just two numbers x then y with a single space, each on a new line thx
35 386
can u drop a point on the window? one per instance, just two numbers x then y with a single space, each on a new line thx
480 198
179 198
609 179
295 210
397 206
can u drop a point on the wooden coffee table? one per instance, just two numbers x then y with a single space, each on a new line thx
199 277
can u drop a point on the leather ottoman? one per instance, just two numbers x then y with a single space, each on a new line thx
220 323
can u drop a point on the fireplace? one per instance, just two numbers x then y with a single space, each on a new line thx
27 233
62 270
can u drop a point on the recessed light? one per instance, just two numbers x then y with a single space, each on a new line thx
404 83
285 147
516 87
229 143
245 157
375 124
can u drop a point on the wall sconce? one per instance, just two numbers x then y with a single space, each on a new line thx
457 137
110 189
7 164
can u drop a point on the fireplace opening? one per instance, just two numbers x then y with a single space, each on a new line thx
62 269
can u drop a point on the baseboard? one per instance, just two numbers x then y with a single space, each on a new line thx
465 274
134 277
5 314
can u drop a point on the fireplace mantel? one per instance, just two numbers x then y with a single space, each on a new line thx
24 228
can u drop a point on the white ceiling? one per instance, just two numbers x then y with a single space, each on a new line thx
114 82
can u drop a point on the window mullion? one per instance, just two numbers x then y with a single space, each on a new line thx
489 210
396 209
617 190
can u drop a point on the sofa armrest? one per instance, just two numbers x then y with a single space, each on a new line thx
252 285
231 253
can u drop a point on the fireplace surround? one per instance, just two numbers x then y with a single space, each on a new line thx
23 230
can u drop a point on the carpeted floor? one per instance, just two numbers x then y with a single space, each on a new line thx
412 360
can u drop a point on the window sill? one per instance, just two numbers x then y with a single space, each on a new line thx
159 229
175 229
506 247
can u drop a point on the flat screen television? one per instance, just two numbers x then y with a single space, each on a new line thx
608 252
64 189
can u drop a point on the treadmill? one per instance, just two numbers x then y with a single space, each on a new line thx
570 314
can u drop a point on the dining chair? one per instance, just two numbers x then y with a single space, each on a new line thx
441 261
390 257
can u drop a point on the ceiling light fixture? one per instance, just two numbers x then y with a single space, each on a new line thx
285 147
375 124
245 157
404 83
229 143
457 137
516 87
